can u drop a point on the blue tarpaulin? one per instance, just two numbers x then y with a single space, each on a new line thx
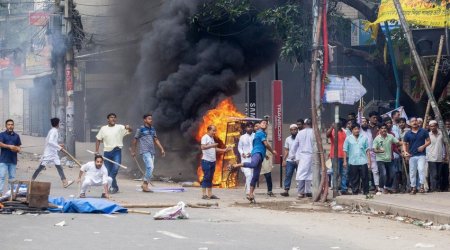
85 205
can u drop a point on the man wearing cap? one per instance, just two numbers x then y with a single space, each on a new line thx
416 141
245 147
303 146
289 159
435 155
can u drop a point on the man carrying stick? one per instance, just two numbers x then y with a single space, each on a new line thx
95 175
146 135
112 137
50 155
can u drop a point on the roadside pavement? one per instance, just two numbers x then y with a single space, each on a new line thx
429 206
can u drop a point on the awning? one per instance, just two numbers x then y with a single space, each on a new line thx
27 81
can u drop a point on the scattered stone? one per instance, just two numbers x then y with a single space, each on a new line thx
423 245
337 208
399 218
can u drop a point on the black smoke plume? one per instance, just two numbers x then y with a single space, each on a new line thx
186 67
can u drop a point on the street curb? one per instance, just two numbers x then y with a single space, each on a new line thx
430 215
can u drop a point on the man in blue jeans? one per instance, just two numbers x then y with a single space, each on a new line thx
209 150
111 136
146 135
415 142
10 145
289 159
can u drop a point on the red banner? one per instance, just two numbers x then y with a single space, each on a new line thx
277 113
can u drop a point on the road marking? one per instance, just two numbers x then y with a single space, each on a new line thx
173 235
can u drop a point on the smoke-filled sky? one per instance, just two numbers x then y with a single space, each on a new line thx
184 70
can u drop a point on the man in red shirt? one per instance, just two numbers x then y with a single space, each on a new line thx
341 169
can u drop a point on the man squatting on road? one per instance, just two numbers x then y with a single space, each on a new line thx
50 155
146 135
260 145
95 174
112 137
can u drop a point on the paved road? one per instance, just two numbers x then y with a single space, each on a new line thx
228 227
224 228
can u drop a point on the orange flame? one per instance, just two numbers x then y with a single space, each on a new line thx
218 117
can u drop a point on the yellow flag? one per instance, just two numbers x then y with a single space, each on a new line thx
418 12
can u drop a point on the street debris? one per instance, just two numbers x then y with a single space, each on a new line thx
172 213
138 212
399 218
61 224
27 240
337 208
423 245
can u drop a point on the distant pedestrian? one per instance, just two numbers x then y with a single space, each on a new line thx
304 147
209 150
383 148
10 145
260 145
300 123
356 150
436 156
373 127
267 164
289 159
245 147
416 141
95 175
342 172
111 136
146 136
403 126
50 155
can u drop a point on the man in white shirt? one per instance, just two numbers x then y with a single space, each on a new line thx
289 159
245 147
209 149
50 155
111 136
95 174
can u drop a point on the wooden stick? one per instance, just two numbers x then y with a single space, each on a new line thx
71 156
196 205
138 212
137 163
433 82
107 159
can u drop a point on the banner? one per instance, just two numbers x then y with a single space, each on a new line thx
402 113
418 12
277 114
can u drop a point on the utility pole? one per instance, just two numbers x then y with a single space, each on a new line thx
70 130
319 170
58 54
422 72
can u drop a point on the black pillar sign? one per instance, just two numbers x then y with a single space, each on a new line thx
251 99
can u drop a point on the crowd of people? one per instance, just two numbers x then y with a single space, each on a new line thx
388 154
383 154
